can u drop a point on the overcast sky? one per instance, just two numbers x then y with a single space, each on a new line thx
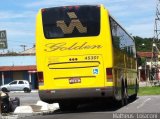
18 17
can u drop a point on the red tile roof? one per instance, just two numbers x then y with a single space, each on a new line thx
18 68
145 54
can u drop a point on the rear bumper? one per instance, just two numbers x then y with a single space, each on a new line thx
85 93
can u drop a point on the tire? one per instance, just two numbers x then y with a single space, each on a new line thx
4 89
134 96
26 90
124 95
29 90
68 106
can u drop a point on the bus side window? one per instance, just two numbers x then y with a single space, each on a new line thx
121 40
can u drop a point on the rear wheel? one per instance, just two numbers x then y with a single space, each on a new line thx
134 96
124 94
26 90
4 89
68 106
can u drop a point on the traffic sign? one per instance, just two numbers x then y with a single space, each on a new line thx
3 39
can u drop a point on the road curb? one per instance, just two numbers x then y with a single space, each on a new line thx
33 91
40 108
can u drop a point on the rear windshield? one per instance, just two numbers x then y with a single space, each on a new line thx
76 21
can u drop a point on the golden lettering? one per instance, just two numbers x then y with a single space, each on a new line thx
75 46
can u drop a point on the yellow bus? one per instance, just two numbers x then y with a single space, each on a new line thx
83 54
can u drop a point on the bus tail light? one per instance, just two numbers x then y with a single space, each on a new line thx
109 75
43 10
71 7
40 78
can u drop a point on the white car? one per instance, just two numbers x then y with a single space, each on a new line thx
17 85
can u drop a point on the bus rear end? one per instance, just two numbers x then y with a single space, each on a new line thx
70 53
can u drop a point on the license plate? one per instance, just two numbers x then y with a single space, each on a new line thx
74 80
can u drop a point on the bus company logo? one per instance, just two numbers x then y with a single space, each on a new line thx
75 23
75 46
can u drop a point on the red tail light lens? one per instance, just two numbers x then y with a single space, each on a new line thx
43 10
40 78
109 71
76 7
109 74
71 7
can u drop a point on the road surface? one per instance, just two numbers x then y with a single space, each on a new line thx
98 110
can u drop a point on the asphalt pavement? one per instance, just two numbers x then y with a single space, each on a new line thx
96 110
141 108
26 98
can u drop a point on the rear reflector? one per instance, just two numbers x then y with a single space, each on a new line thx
76 7
40 78
71 7
43 10
109 75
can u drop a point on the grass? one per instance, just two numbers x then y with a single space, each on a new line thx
149 90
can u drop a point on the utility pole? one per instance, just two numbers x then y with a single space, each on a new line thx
156 41
24 47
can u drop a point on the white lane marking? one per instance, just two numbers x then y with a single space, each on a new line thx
141 105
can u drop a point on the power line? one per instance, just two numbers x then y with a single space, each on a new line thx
20 42
24 47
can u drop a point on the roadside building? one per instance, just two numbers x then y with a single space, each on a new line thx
147 70
144 68
22 66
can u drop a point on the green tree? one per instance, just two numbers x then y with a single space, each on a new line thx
143 44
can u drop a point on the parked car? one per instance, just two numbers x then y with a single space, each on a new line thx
17 85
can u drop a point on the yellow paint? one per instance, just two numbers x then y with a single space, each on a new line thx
81 57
